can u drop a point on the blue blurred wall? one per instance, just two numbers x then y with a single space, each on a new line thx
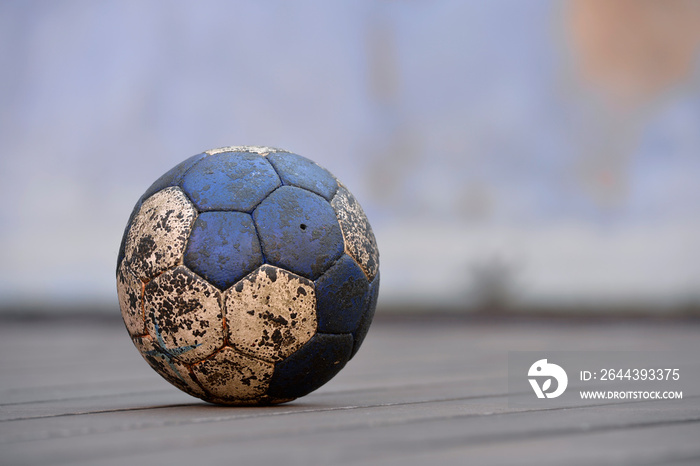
495 170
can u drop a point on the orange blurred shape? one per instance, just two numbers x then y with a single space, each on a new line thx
632 50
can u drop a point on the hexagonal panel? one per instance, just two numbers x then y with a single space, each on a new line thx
271 313
171 178
169 368
301 172
232 377
130 292
158 233
298 231
262 150
363 327
230 181
318 361
223 247
122 246
183 314
342 293
359 238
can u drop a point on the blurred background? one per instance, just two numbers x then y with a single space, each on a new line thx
539 156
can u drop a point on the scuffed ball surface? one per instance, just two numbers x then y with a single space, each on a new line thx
270 313
248 275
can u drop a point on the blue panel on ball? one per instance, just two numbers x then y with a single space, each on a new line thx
298 231
174 176
230 181
299 171
341 297
223 247
311 366
362 329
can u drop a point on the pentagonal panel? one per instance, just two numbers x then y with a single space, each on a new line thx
230 181
313 365
362 329
342 293
130 291
183 314
169 368
298 231
271 313
223 247
159 232
299 171
231 377
359 238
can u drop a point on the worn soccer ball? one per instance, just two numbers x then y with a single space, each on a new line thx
247 275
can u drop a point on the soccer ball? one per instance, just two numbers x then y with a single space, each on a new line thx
247 275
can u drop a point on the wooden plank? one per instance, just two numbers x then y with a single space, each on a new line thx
417 392
342 434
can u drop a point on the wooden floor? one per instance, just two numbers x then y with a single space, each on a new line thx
419 392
